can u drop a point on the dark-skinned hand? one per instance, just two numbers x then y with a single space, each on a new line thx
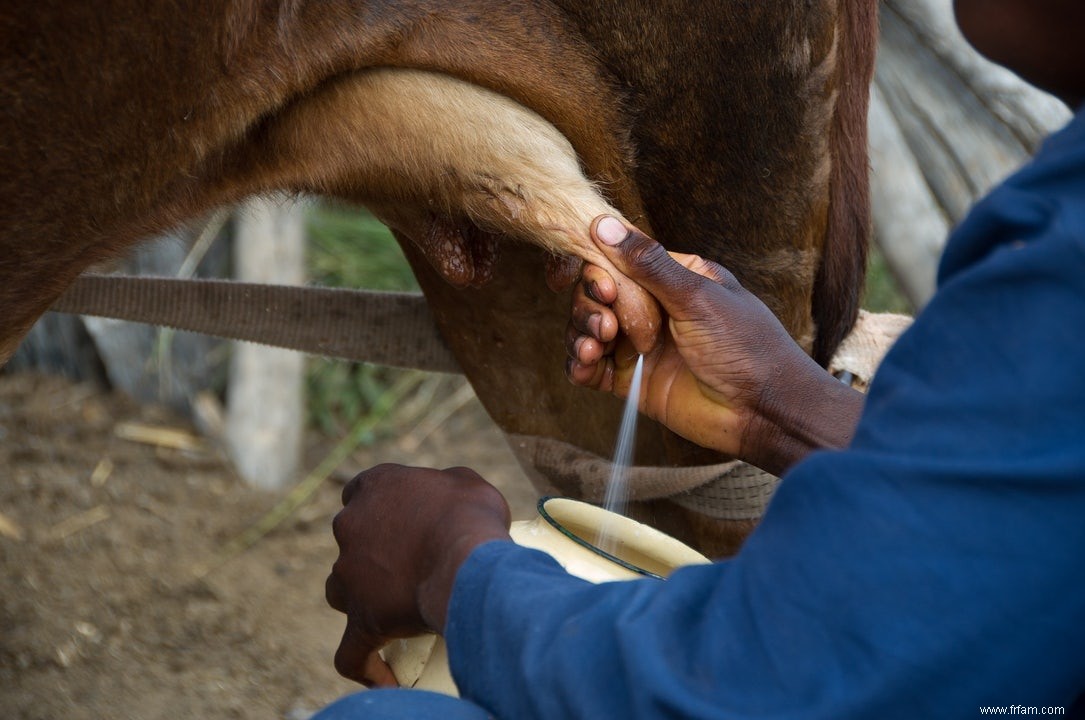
403 533
724 373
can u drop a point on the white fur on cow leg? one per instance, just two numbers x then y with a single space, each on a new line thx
452 166
266 390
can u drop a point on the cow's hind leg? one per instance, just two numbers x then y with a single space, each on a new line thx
429 154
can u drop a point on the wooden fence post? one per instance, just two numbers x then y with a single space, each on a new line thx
265 412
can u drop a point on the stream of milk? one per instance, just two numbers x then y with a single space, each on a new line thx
617 494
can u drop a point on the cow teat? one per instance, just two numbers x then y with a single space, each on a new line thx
463 254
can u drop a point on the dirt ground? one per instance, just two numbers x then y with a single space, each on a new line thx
103 539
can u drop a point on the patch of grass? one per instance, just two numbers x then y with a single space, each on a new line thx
348 247
882 292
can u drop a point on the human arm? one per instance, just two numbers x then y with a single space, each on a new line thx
724 373
928 570
403 534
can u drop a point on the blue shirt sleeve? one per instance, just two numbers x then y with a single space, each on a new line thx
932 568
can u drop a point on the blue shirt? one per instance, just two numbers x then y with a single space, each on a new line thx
932 568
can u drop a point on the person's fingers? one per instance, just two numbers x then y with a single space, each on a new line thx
599 376
378 673
587 317
647 263
584 349
638 312
598 284
351 487
353 658
334 593
592 326
591 316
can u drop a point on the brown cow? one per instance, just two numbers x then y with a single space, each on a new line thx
120 119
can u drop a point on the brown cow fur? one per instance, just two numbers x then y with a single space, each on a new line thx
733 129
121 120
444 161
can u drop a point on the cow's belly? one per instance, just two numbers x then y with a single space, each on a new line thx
452 167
